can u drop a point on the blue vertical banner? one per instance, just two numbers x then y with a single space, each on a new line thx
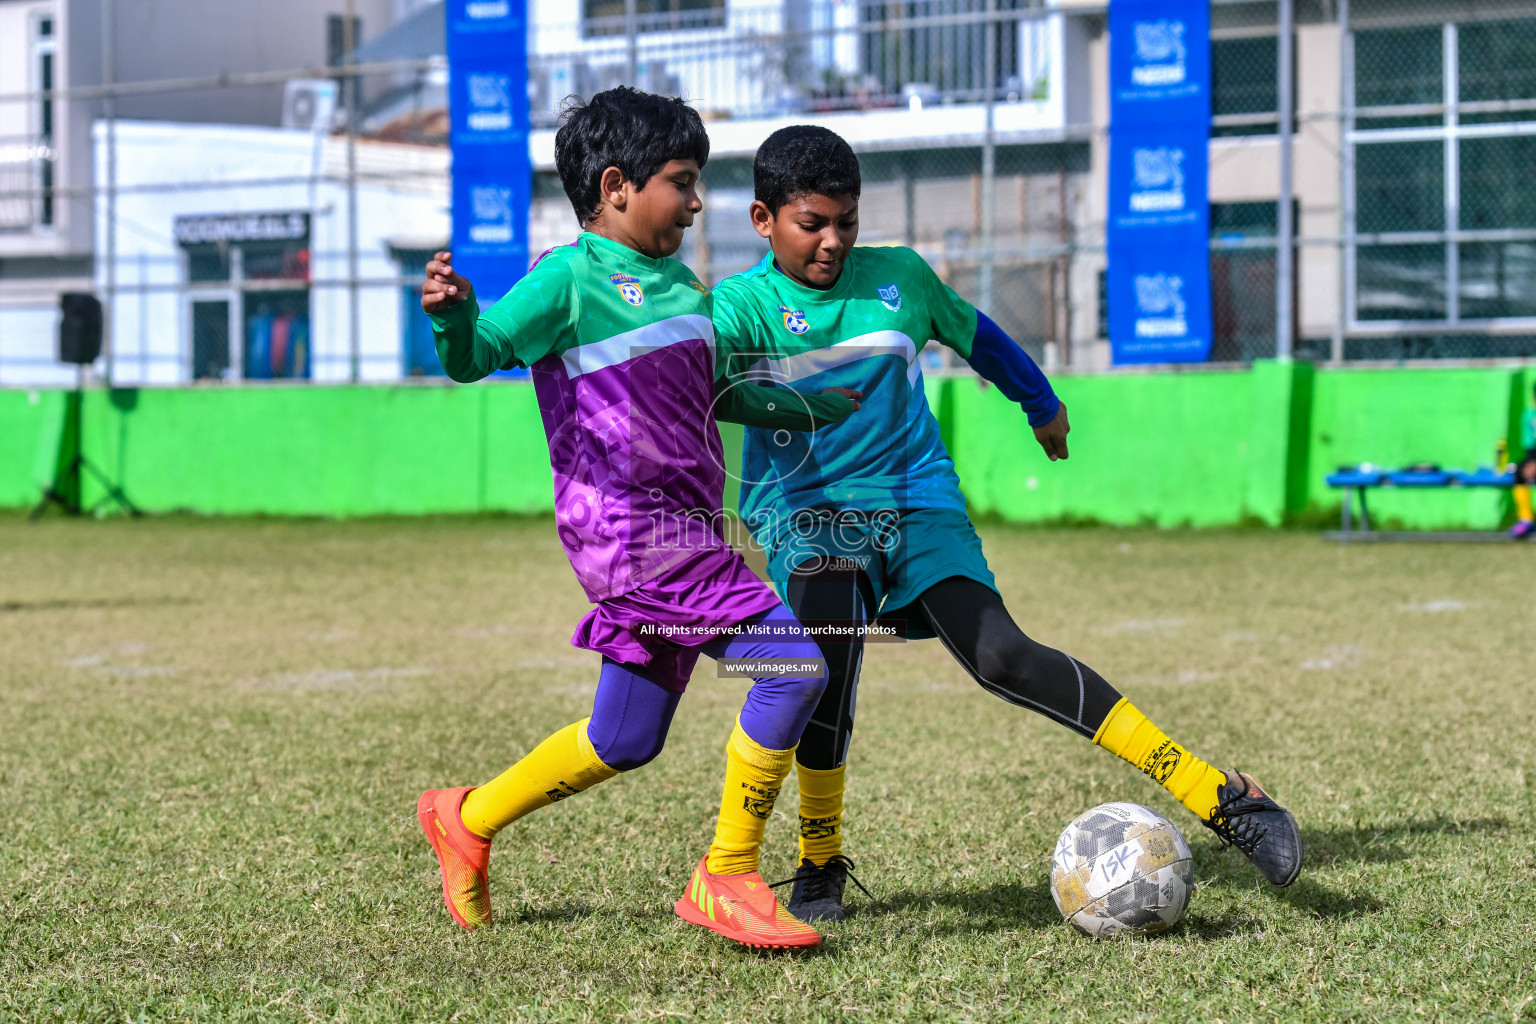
488 132
1159 218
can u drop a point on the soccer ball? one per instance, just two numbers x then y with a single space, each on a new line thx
1122 869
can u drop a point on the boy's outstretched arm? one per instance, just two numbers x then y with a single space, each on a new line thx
468 347
776 408
997 358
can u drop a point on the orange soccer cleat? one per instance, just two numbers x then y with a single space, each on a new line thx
463 857
743 909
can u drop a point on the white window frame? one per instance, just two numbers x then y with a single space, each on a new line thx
1449 134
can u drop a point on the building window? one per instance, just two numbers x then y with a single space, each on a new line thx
336 48
1245 92
1497 63
606 17
44 50
1436 249
937 62
1399 67
248 295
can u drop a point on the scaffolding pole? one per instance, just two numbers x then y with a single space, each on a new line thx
1285 256
984 284
354 327
109 123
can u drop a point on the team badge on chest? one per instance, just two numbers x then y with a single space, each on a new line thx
629 288
794 320
890 297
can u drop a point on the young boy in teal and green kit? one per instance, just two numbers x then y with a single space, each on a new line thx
865 518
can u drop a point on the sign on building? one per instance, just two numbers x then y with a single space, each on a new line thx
1158 234
488 132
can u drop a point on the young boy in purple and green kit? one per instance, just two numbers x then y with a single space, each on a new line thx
621 347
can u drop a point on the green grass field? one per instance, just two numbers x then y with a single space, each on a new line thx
213 733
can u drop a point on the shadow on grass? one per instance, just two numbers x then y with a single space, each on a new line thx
1305 894
1326 847
1217 929
1374 844
1319 900
68 604
1001 907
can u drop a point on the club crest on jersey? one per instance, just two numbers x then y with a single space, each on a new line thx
629 288
794 320
890 297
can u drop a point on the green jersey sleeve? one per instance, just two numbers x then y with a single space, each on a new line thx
953 319
536 318
765 405
1528 432
740 399
734 345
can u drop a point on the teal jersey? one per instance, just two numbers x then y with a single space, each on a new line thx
864 333
1528 432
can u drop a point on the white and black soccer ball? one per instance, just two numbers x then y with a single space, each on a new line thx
1122 869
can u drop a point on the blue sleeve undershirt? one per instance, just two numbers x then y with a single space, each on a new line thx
997 359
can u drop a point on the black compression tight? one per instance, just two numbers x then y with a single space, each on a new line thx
838 597
970 620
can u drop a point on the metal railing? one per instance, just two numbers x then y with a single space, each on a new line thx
1414 235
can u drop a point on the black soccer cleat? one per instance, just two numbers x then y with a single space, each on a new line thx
818 892
1246 817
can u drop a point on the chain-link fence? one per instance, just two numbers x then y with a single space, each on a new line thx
272 223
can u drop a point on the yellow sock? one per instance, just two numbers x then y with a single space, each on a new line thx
1128 734
821 813
1522 493
753 775
561 766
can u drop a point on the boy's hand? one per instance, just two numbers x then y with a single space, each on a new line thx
442 287
1053 436
848 393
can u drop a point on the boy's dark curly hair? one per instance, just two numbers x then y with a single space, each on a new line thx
637 132
803 159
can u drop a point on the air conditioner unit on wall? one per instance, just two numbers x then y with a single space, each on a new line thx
309 104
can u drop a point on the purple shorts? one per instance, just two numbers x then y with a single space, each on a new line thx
661 624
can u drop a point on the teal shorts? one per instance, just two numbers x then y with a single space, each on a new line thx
902 551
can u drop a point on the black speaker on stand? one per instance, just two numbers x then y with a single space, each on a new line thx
79 344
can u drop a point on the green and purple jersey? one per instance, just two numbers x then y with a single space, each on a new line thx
622 355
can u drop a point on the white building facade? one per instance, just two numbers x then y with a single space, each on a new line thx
233 254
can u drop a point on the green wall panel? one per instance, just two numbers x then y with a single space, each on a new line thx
1168 448
290 450
1194 447
1400 416
515 476
30 425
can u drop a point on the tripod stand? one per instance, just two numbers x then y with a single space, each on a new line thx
67 491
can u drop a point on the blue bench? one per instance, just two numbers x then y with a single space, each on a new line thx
1358 480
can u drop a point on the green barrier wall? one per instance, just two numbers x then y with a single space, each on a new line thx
322 451
1198 447
30 423
1195 448
1396 417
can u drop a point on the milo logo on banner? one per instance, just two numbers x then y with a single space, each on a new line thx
1157 175
1160 306
1160 53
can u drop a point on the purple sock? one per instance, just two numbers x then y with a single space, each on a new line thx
630 716
776 709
